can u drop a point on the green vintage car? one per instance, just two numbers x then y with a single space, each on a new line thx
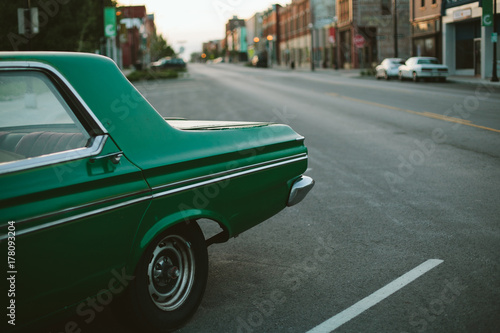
100 195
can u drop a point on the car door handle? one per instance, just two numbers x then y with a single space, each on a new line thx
113 157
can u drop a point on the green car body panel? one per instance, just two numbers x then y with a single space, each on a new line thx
83 219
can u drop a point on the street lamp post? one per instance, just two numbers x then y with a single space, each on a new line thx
311 25
395 22
494 77
270 51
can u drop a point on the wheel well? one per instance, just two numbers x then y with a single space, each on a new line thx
213 231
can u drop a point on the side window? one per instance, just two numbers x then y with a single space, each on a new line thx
34 118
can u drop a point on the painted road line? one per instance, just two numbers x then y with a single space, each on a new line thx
367 302
423 114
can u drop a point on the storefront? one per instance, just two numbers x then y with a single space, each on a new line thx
467 45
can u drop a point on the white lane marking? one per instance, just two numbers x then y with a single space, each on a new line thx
369 301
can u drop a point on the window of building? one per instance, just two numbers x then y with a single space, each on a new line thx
422 3
385 7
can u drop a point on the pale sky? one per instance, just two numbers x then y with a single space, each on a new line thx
192 22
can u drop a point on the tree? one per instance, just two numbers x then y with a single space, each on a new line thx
160 48
68 25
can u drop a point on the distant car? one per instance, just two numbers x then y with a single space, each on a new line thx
101 195
388 68
218 60
417 68
169 63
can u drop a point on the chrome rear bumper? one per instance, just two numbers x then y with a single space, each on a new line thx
299 190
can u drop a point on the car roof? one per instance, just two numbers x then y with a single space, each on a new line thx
105 90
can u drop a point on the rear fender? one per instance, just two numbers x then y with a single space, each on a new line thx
151 228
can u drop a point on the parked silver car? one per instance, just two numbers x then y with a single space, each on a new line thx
388 68
417 68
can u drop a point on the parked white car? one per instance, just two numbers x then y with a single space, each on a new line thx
417 68
388 68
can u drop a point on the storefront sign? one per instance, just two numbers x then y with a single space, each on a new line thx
487 20
359 41
462 14
109 21
331 36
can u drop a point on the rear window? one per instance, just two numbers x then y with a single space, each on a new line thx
35 119
428 62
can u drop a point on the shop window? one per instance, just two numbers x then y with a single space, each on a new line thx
464 53
425 47
386 7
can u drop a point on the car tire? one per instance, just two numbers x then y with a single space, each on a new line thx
415 77
170 280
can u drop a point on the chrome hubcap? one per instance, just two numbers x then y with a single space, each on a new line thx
171 272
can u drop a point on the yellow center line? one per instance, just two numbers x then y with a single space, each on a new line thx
423 114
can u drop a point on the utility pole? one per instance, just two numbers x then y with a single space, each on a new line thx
494 77
395 22
27 23
311 7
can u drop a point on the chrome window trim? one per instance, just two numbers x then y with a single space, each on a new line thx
75 217
84 206
60 157
254 168
260 167
40 65
227 172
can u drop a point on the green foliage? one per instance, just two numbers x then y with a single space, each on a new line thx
368 72
152 75
160 48
70 25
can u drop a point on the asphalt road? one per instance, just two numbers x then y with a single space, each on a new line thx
404 220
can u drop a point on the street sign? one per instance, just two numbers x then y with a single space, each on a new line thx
331 35
487 19
359 41
109 21
31 22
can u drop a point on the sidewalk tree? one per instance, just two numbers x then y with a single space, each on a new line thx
65 26
160 48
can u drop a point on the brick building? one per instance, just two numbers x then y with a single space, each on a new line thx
235 40
137 30
372 21
295 40
425 18
271 35
254 35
